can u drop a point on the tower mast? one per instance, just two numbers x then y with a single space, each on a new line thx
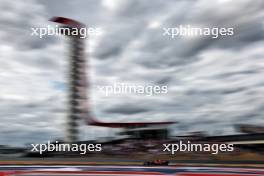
78 106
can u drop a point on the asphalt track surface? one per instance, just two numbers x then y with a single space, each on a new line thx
126 170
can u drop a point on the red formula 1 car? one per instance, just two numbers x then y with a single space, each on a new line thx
156 163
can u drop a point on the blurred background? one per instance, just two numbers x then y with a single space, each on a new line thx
215 86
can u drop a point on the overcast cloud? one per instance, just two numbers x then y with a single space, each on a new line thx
213 83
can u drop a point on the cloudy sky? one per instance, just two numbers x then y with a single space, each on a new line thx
213 83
